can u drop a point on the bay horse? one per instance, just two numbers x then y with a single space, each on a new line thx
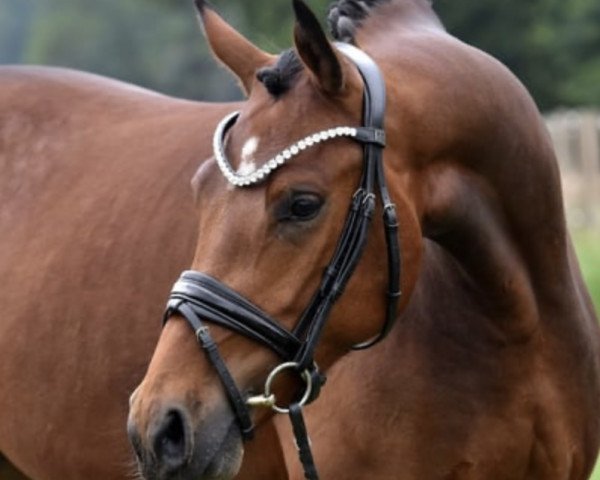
492 369
96 223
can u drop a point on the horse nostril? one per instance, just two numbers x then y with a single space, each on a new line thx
171 441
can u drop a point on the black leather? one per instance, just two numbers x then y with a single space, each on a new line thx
217 303
370 135
236 399
303 442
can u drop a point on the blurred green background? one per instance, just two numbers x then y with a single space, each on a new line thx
553 46
587 244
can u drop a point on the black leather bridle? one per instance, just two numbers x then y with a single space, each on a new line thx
198 297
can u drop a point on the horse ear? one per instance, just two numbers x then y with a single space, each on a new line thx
235 51
316 51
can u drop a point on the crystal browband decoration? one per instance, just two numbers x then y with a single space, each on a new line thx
277 161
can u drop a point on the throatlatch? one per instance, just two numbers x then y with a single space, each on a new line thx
199 297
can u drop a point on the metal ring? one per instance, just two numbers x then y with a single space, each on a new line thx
276 371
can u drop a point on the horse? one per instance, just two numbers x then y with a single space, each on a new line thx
492 369
94 228
94 175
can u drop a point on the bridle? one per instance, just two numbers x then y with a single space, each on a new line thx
198 297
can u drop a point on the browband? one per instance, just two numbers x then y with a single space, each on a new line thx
360 134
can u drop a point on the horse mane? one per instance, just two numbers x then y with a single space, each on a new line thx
344 18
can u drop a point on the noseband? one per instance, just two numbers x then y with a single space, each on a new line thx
199 297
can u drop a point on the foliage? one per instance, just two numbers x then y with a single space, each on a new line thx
587 245
148 43
551 45
596 473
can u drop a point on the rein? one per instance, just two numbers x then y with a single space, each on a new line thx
198 297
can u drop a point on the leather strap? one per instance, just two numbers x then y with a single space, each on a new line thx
303 442
354 234
370 135
236 399
374 114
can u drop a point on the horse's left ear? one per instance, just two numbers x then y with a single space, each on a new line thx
317 53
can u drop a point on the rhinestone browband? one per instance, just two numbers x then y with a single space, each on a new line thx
278 160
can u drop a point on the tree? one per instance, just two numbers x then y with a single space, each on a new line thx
552 46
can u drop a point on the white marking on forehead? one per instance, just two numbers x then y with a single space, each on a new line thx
247 165
249 148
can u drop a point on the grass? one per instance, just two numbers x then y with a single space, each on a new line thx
587 245
596 473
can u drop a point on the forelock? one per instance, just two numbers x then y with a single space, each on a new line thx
279 78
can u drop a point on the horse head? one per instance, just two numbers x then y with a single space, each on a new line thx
284 202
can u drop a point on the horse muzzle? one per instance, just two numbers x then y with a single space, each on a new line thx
172 447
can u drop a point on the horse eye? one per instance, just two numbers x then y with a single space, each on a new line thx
305 206
300 207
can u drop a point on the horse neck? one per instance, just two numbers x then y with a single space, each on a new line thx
499 215
389 17
474 153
